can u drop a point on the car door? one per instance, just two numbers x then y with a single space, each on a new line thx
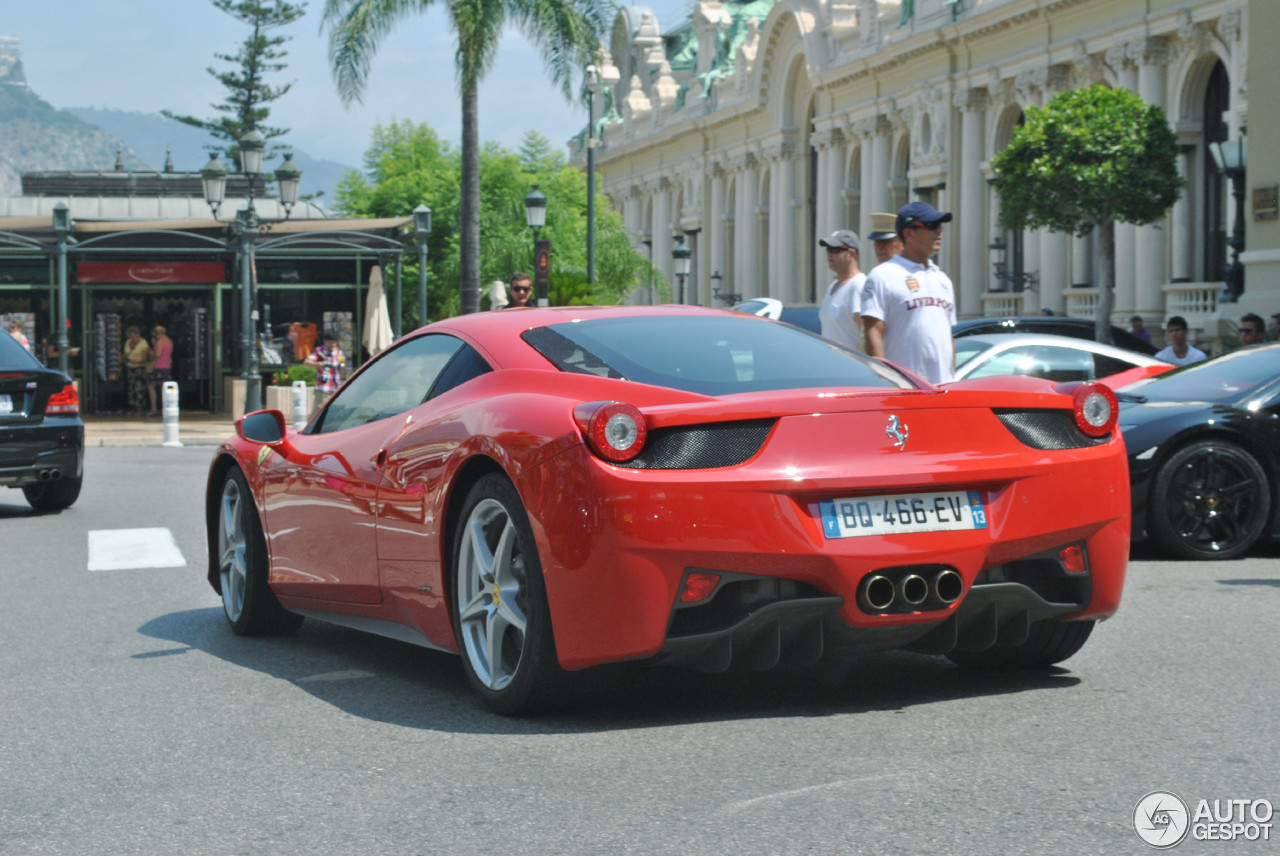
320 503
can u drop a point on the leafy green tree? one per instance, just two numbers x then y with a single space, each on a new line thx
248 92
407 164
566 31
1090 158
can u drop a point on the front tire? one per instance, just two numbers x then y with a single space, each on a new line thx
1048 642
1210 500
247 600
53 495
500 611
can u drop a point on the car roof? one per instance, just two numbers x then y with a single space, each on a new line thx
1084 328
1004 341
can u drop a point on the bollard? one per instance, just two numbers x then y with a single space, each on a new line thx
300 393
169 397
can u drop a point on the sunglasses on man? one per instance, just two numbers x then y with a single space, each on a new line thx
1249 331
523 289
932 227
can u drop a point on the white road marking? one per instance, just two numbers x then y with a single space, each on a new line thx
128 549
734 807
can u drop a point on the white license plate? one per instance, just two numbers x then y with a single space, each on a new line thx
6 405
905 512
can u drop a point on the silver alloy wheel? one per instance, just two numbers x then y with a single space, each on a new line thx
491 594
233 545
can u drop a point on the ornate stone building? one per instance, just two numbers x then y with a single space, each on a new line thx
756 126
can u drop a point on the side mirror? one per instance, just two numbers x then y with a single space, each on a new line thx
264 426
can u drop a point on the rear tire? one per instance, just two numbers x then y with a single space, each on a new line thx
500 612
1210 500
247 600
1048 642
53 495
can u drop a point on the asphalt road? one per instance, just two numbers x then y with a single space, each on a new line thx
133 721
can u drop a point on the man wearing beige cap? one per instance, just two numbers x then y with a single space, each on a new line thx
883 237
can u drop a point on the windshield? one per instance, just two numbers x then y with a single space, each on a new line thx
967 349
1222 380
709 355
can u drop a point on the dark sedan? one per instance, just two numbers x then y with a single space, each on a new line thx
41 435
1054 325
1204 454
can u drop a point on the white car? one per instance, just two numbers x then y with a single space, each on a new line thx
1059 358
804 317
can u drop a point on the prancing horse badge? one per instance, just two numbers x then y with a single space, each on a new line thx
897 432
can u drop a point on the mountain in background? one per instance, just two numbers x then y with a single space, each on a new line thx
36 137
155 137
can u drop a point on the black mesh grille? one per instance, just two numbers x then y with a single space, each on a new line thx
697 447
1047 429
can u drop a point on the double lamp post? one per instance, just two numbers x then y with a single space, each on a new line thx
252 147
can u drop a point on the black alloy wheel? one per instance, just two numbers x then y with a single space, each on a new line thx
1210 500
53 495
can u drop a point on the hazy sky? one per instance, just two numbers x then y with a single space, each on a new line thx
146 55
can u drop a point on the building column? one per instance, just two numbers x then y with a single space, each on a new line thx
715 229
881 167
1053 269
1125 233
1183 220
1149 264
661 233
971 281
867 200
746 226
829 199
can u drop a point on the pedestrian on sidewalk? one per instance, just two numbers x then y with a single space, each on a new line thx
161 365
137 354
883 238
908 304
839 314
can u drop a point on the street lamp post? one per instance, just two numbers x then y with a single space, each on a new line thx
729 297
1230 157
421 229
62 229
592 80
1016 280
535 216
247 223
681 254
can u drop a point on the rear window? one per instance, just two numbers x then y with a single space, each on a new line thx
13 356
708 355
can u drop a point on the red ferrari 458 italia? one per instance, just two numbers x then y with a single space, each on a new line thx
544 490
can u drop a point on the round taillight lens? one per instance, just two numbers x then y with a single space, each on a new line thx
1096 409
616 431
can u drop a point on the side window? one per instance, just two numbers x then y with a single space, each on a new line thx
1064 364
1010 362
396 381
466 365
1104 366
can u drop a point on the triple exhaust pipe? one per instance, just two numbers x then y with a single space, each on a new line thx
908 591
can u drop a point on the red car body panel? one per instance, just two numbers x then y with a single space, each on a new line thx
358 521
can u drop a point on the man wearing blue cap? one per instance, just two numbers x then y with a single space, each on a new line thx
908 303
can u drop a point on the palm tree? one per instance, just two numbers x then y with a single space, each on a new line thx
567 32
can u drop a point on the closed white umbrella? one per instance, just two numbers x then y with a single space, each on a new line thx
377 320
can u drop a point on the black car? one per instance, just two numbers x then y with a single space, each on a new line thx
1056 325
41 435
1204 454
804 317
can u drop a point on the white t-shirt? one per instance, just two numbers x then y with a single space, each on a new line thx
1194 355
839 312
918 306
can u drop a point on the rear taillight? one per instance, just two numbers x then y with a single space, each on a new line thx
1096 409
616 431
67 401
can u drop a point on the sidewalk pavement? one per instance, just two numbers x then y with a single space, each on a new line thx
194 429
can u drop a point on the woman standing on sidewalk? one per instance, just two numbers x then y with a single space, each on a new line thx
137 353
162 367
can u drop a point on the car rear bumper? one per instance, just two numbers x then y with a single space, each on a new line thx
32 454
616 550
